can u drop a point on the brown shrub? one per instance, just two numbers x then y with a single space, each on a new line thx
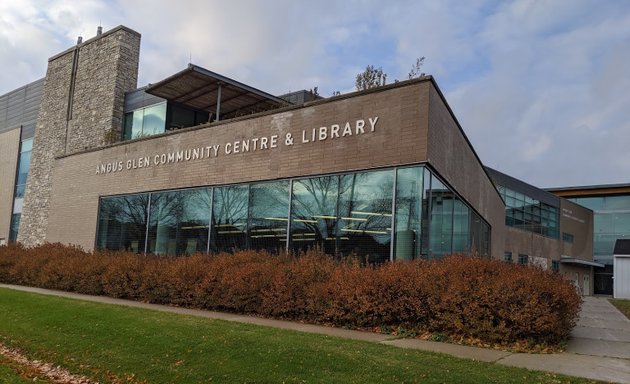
461 296
293 290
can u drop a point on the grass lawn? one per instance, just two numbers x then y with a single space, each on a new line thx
119 344
622 305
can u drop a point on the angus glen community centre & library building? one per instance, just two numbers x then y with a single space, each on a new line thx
199 162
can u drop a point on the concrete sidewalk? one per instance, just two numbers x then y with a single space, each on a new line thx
585 357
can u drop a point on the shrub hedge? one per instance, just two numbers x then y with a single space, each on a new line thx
460 296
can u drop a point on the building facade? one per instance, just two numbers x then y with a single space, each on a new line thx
611 211
199 162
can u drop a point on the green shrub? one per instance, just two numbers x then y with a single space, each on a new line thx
460 296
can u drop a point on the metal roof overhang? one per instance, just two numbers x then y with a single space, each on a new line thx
205 90
573 260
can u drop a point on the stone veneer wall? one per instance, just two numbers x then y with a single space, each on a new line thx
83 98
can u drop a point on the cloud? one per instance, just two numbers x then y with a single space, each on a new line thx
540 88
555 86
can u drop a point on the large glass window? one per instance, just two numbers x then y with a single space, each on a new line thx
314 214
365 215
408 213
441 225
144 122
123 223
611 221
479 235
182 117
24 164
526 213
269 215
179 222
461 226
15 226
349 214
426 209
229 218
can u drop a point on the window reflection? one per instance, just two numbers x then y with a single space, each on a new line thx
611 221
24 164
461 223
408 213
441 225
122 223
479 235
348 214
229 218
179 222
314 213
269 211
365 215
526 213
144 122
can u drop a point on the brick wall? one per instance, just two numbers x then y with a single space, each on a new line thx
541 250
577 221
451 155
399 138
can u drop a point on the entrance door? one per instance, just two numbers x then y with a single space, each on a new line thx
586 287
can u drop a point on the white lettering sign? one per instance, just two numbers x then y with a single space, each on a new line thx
252 144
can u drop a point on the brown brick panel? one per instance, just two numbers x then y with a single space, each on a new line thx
452 156
401 114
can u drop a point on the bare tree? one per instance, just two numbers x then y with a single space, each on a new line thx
416 69
370 78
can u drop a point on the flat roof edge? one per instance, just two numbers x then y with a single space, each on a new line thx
573 260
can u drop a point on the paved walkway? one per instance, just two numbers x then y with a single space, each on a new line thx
599 349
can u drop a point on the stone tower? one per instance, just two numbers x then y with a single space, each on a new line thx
82 102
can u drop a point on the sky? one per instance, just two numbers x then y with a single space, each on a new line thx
541 88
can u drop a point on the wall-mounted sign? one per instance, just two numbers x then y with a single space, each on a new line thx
568 213
253 144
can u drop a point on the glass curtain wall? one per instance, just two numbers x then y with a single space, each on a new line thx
123 223
229 218
441 220
179 222
365 215
408 213
461 226
526 213
394 214
145 122
314 214
611 221
269 215
24 164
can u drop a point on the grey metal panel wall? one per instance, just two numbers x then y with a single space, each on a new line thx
28 131
20 108
4 101
139 98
